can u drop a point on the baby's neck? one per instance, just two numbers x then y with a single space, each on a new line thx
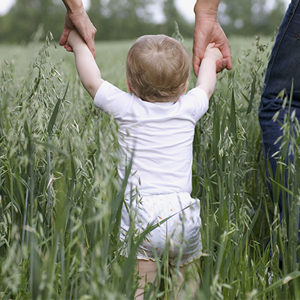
165 99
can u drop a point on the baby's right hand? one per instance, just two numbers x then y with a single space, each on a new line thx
212 52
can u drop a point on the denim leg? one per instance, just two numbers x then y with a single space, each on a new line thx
284 62
283 69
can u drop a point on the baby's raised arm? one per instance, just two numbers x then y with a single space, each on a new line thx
87 68
208 70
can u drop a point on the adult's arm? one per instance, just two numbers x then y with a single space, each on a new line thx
76 17
208 30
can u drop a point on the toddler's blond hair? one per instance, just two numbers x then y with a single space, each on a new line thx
157 68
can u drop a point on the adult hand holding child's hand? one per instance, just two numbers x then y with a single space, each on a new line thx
77 18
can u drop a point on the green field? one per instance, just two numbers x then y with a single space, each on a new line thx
60 198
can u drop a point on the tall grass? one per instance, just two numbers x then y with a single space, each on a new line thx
60 198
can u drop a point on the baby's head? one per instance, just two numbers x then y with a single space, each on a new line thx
157 68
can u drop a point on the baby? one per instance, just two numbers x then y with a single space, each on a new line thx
156 128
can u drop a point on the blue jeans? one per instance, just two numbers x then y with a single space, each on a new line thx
283 68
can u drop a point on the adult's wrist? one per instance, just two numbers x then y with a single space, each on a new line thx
74 6
206 9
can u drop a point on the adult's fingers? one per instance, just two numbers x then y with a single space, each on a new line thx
227 59
64 36
68 48
199 47
89 39
196 64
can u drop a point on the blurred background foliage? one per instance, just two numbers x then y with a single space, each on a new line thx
29 20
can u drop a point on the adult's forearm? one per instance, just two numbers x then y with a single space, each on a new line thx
73 5
207 7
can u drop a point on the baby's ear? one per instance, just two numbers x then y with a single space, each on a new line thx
129 87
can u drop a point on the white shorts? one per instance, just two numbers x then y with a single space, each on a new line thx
180 233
